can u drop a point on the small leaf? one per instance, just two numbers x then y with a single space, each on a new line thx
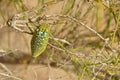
69 5
40 39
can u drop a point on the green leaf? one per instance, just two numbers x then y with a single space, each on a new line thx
68 6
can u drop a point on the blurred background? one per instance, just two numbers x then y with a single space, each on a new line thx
87 56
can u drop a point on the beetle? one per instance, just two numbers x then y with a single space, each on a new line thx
40 39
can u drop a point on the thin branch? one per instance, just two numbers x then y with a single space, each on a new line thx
6 69
10 76
78 22
4 53
12 22
55 47
84 25
61 40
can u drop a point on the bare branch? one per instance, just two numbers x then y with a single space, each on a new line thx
10 76
78 22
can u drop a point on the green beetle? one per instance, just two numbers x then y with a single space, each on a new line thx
40 39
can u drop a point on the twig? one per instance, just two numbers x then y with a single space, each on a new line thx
55 47
10 76
95 74
12 22
6 52
81 23
78 22
4 67
61 40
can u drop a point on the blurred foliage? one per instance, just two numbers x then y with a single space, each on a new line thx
88 56
68 6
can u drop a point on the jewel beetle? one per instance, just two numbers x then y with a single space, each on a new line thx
40 39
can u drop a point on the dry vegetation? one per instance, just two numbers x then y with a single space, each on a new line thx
84 41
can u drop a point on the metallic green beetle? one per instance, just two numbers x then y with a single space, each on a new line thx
40 39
